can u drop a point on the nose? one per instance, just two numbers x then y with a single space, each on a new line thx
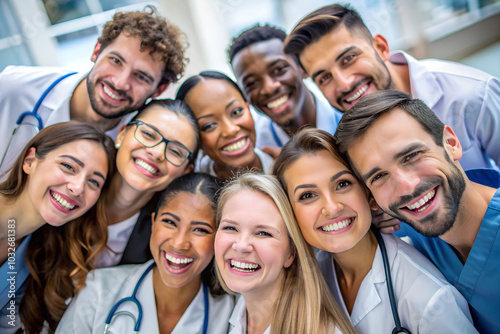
331 206
405 182
180 241
243 244
343 80
122 80
157 152
77 185
270 85
229 128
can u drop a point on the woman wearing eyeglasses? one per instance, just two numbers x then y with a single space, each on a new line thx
156 147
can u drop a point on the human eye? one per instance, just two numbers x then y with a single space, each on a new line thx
148 133
201 230
237 112
95 183
249 85
347 59
306 196
264 234
115 60
227 228
343 184
67 166
208 127
411 156
279 69
142 78
177 151
377 177
323 79
169 222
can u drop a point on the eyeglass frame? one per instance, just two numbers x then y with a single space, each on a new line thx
163 140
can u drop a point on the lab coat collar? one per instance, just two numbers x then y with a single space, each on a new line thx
373 284
423 83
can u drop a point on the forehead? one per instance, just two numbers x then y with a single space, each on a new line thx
313 166
262 211
328 47
170 125
211 94
256 57
389 135
191 207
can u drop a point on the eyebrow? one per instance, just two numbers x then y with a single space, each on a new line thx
202 223
333 178
171 214
407 150
268 227
81 164
204 116
315 74
267 66
149 76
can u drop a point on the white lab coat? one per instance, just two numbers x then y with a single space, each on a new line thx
20 89
87 313
426 302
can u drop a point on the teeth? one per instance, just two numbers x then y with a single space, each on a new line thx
146 166
110 93
244 266
236 146
337 226
358 94
419 206
64 203
175 260
278 102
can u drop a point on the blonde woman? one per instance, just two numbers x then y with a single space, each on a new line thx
261 254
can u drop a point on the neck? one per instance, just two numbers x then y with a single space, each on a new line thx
18 212
306 116
225 172
124 201
466 227
173 302
400 75
81 108
353 265
260 306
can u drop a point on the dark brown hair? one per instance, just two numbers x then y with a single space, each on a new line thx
359 118
321 22
162 38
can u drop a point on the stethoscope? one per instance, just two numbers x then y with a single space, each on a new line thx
276 138
34 113
398 329
112 315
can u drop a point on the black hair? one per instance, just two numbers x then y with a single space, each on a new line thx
253 35
193 81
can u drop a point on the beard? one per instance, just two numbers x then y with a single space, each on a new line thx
438 222
103 108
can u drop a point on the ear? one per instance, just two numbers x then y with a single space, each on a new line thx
121 134
160 89
188 169
381 46
373 204
95 53
153 216
289 260
29 163
451 143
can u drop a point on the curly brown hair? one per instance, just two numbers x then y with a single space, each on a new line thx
165 40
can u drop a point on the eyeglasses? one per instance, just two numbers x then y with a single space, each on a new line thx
175 153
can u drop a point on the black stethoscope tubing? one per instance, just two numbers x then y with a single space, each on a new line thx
388 280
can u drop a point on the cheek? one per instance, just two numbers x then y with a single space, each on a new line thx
207 251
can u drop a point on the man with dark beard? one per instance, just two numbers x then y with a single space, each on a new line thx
137 55
339 53
409 160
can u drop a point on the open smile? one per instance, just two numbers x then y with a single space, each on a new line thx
337 225
278 104
423 202
243 266
177 263
147 168
236 147
62 202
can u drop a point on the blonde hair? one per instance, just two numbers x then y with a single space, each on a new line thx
305 304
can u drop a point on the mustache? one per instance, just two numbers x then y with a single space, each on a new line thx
420 190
